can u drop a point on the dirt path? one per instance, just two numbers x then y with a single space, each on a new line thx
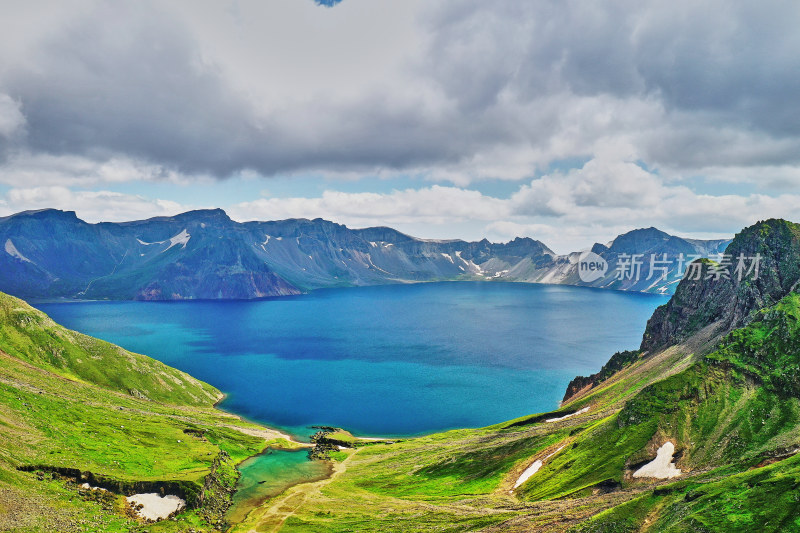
271 517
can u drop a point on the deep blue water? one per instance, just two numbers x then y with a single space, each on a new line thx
390 360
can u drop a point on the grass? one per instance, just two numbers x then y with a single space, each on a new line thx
32 337
763 499
69 401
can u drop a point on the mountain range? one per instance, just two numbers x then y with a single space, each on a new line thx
206 255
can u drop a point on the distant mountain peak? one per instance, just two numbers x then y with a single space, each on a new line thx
640 233
48 212
205 214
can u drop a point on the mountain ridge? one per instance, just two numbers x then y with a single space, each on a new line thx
204 254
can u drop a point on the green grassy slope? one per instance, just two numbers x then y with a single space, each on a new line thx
32 337
760 499
70 401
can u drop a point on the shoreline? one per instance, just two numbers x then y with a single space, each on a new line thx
67 299
268 433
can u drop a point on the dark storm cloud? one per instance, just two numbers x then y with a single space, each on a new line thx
124 82
711 65
718 82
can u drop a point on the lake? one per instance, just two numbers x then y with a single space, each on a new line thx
392 360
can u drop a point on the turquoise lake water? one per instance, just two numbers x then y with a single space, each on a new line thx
269 474
390 360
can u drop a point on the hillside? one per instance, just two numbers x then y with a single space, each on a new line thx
75 407
206 255
715 404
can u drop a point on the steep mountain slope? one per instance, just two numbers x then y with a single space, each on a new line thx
725 395
195 255
80 409
730 301
204 254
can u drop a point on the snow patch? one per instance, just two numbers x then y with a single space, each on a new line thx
181 238
579 412
531 470
154 507
447 256
13 252
662 466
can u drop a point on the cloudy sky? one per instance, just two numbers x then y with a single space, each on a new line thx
565 121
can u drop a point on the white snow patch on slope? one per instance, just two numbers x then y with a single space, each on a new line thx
531 470
154 507
661 467
13 252
447 256
579 412
181 238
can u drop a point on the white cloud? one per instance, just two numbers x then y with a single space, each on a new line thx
92 206
31 169
432 205
599 183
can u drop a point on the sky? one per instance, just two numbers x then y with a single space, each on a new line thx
566 121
